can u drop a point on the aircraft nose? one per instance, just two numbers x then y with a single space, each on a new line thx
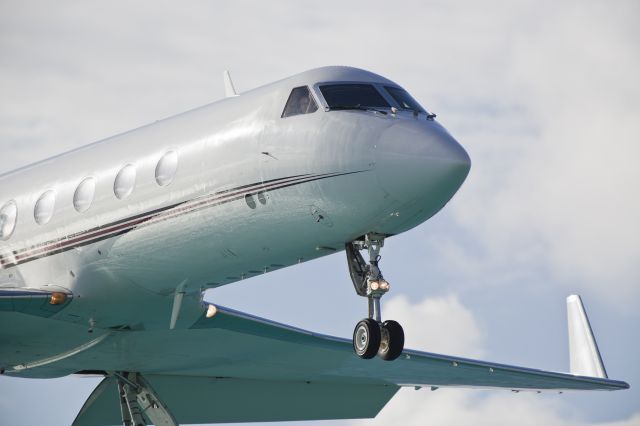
418 161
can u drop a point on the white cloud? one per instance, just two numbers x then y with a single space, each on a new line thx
439 324
565 192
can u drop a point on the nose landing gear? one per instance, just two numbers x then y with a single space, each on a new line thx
371 335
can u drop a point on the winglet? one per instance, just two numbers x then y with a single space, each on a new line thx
584 356
229 88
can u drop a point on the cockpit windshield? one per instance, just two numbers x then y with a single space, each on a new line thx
404 99
347 96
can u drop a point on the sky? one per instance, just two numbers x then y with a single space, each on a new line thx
543 95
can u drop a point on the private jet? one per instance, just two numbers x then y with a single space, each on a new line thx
106 252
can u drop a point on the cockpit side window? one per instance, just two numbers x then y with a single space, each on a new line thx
352 95
404 99
300 102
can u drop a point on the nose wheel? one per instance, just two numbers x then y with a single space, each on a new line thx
367 337
372 336
391 340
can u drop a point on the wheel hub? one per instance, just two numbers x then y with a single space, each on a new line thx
362 338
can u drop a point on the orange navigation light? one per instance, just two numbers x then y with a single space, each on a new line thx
58 298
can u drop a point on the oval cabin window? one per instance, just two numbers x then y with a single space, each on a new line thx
166 168
8 216
44 207
125 182
83 197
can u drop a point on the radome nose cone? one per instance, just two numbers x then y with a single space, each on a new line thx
459 159
421 161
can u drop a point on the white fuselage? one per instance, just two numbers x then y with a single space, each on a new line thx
252 192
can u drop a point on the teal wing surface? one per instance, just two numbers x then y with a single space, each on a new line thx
235 367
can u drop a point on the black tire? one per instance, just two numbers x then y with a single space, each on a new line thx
391 340
366 338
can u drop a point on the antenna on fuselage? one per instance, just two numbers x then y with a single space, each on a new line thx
229 88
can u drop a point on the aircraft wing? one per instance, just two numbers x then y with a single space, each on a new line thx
235 367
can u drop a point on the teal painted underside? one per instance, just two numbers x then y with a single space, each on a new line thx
233 355
194 400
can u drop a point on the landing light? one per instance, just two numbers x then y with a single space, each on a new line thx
374 285
57 298
384 285
211 311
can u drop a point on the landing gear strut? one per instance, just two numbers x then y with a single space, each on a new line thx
371 335
138 400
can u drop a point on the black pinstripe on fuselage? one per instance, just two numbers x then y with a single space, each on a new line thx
125 225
